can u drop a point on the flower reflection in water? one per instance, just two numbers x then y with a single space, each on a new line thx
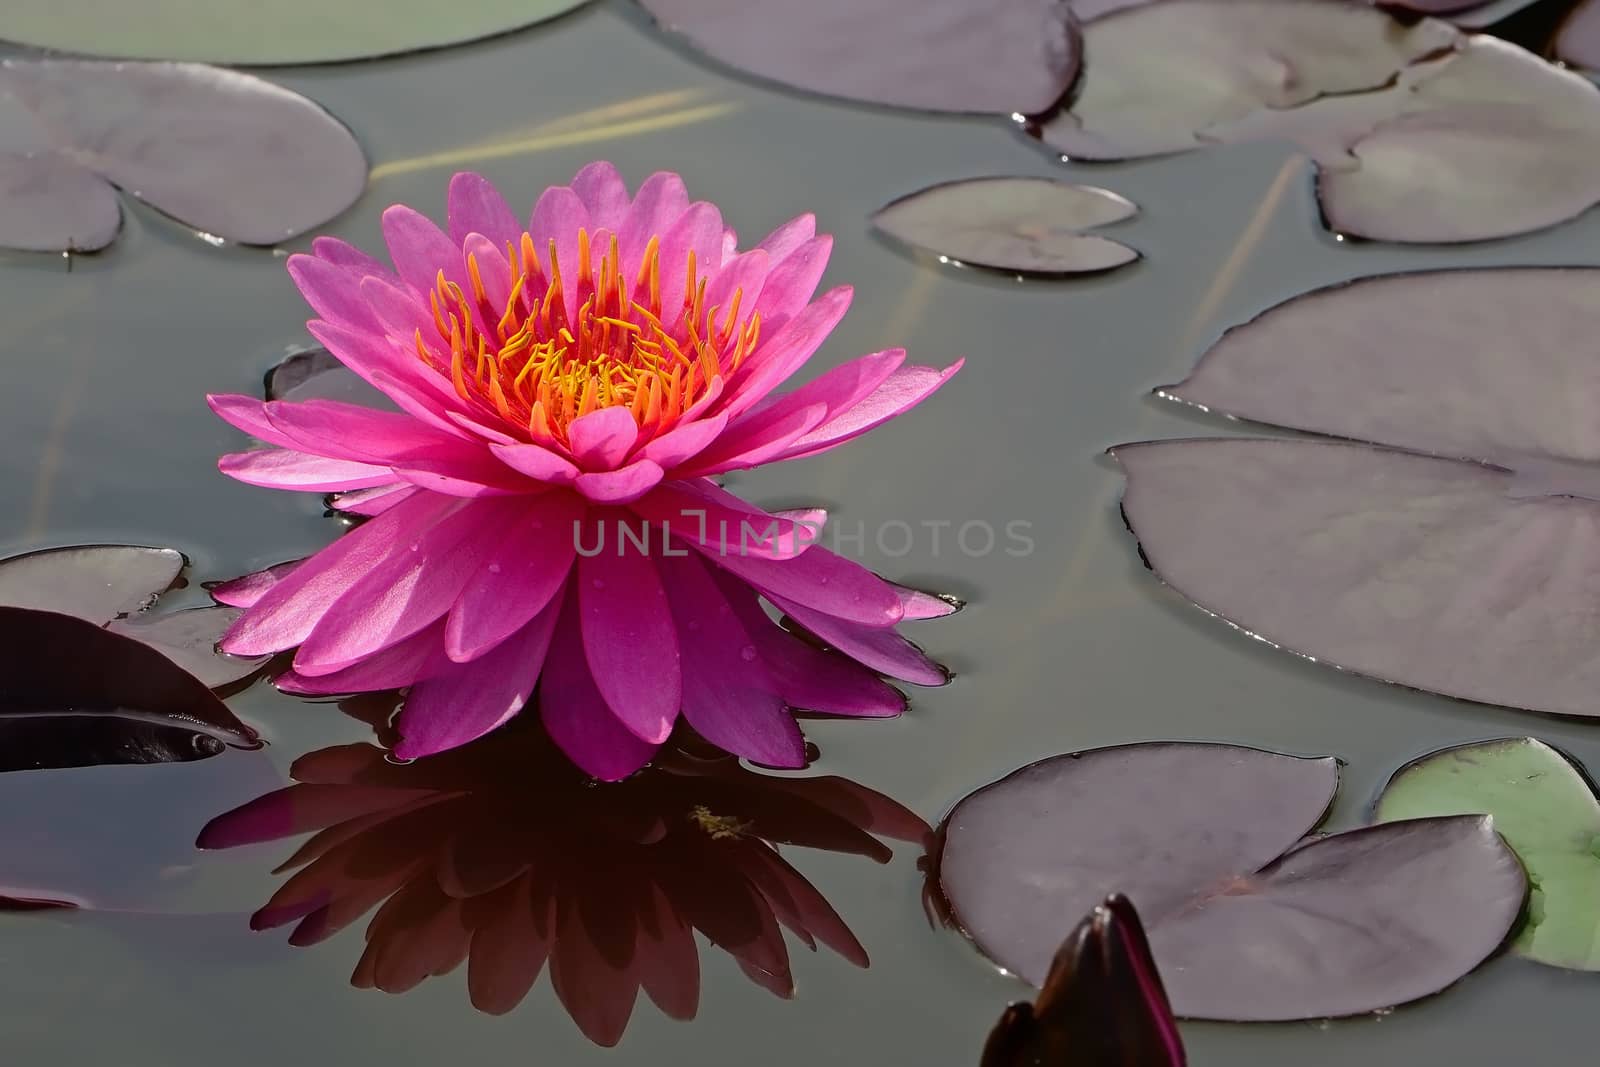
502 855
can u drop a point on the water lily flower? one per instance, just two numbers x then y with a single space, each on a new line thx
542 506
1102 1004
498 854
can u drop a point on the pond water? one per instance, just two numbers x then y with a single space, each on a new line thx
1070 645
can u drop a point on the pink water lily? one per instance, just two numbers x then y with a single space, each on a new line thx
542 508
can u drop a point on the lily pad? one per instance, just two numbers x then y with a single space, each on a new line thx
1102 1004
251 33
1419 134
225 153
86 715
1002 56
1018 225
1546 809
1578 40
94 582
1468 576
112 586
1163 74
1245 924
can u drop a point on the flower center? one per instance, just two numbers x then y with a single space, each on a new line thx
528 361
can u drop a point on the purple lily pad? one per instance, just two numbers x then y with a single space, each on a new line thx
1578 40
1165 74
85 715
1018 225
226 153
1419 134
93 582
1244 923
1002 56
1467 576
42 658
112 586
1102 1004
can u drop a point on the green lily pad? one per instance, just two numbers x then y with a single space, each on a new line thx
251 32
1546 809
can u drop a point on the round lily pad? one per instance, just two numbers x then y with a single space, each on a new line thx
253 32
1546 809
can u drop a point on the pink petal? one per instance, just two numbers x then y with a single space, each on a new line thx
249 414
395 667
404 380
905 389
280 468
575 714
601 439
450 479
476 206
374 501
697 232
728 696
420 250
839 389
822 581
464 701
628 637
244 591
807 676
557 217
349 431
661 199
333 292
721 523
290 610
881 649
604 193
786 351
780 243
411 587
493 271
793 281
538 463
757 443
523 569
623 485
343 254
744 275
920 605
684 441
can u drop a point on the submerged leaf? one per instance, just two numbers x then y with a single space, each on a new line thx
1102 1004
1027 225
225 153
1470 580
1244 924
1001 56
249 32
1547 811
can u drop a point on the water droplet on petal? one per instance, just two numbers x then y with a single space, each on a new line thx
494 568
748 653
